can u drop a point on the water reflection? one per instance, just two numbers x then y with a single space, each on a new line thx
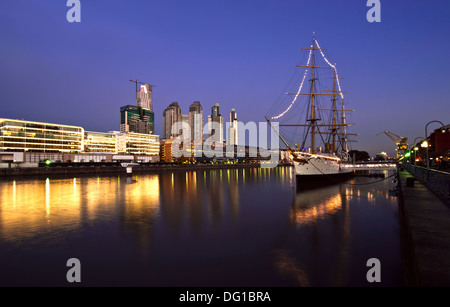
328 221
310 206
32 208
219 227
200 199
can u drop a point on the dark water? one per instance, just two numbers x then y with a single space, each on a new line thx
244 227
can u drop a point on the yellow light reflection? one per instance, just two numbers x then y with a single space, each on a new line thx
14 194
305 216
47 197
28 207
74 189
370 198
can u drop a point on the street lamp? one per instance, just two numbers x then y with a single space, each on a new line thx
426 137
408 155
416 148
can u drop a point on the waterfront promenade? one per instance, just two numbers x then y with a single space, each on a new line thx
427 229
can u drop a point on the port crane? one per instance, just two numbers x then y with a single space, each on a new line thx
398 140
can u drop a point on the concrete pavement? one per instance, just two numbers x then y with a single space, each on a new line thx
427 228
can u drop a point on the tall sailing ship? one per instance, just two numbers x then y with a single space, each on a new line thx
326 122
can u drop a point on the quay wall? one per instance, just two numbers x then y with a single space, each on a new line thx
113 169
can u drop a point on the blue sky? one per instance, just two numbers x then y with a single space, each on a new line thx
239 54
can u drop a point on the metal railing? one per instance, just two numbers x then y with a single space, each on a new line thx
436 180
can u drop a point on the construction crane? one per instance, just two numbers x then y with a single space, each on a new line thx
138 82
399 140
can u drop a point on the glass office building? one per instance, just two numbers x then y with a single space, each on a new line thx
29 136
136 119
99 142
139 144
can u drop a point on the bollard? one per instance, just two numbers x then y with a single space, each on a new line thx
410 182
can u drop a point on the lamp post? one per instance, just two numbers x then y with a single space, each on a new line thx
409 154
415 148
426 136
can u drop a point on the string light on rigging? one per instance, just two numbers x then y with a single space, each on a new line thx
298 92
304 76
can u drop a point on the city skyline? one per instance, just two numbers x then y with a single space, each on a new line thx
81 70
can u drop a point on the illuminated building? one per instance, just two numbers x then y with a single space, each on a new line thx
440 140
30 136
140 147
217 120
166 151
144 97
137 144
136 119
29 142
99 142
233 128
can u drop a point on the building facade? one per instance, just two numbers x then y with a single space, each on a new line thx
30 136
233 128
137 144
99 142
185 119
29 142
144 97
215 124
196 121
171 115
136 119
166 151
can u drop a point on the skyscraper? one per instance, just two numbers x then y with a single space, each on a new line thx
144 97
171 115
136 119
218 120
233 128
139 118
196 120
209 125
185 118
215 111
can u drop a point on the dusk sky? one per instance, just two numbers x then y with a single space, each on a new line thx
239 54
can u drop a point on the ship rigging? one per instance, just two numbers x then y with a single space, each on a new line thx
326 122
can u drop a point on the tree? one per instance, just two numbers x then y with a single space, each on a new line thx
359 155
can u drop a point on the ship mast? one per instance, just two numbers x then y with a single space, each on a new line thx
335 92
313 119
344 134
343 139
333 149
313 107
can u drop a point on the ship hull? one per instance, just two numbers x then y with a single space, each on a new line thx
318 172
